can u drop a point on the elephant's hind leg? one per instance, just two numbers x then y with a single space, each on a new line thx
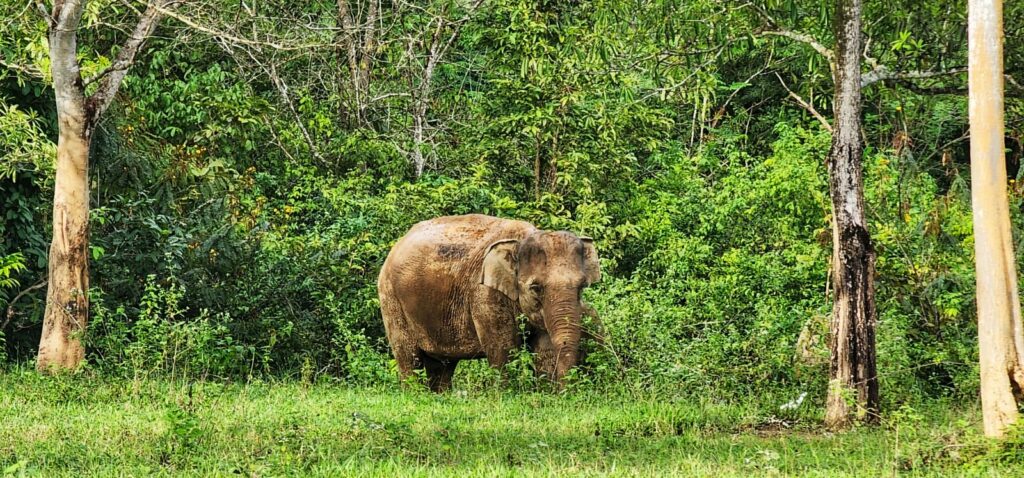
439 373
405 352
407 361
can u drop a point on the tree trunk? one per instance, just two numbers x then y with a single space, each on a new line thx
67 294
418 125
67 300
422 95
853 378
345 53
359 41
1000 339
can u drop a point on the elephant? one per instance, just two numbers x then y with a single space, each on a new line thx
452 287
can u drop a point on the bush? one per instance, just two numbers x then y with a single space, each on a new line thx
164 338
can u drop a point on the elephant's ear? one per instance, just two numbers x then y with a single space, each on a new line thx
499 270
591 266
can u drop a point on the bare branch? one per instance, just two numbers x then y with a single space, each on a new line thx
774 29
1012 81
807 39
277 140
881 73
112 76
282 88
665 90
805 105
439 45
878 71
10 305
721 110
234 38
942 148
39 9
43 13
27 70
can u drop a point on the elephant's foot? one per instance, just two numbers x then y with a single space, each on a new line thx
439 373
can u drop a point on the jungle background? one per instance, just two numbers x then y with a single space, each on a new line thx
250 182
262 157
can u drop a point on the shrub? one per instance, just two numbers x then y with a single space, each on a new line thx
166 338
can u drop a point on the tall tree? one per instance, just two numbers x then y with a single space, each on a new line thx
67 302
852 340
357 46
1000 337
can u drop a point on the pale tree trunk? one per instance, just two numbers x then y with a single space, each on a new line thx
1000 339
418 138
440 43
67 302
422 97
853 385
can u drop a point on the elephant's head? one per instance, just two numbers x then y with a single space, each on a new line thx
546 273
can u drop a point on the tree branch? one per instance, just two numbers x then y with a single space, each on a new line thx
805 105
282 88
10 305
775 30
882 73
807 39
23 69
41 9
439 45
877 73
1012 81
112 77
236 39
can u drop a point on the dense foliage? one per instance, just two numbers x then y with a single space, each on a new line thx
249 182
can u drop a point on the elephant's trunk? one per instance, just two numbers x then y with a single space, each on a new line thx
563 324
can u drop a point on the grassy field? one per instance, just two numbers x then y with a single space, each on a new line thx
90 426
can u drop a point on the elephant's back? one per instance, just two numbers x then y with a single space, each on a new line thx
448 247
469 230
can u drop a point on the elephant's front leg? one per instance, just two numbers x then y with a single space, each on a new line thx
495 323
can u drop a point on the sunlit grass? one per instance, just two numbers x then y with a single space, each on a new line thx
88 426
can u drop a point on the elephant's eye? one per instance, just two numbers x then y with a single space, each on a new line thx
536 288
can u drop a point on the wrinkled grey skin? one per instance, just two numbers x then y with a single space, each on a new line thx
540 345
452 287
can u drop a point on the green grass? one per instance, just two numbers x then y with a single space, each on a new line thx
90 426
